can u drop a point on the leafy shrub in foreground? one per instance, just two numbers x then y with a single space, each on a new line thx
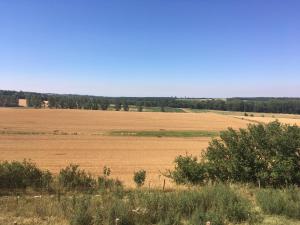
74 178
267 155
188 171
22 175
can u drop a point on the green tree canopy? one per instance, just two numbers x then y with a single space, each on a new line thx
264 154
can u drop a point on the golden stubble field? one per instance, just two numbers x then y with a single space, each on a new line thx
53 138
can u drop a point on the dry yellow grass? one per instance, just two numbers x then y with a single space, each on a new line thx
84 121
123 154
281 119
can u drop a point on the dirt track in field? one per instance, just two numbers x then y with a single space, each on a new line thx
92 151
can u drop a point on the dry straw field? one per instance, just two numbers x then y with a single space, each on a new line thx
55 138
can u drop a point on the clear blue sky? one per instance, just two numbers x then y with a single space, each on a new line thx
203 48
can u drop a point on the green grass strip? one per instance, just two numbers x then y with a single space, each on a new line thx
167 109
12 132
165 133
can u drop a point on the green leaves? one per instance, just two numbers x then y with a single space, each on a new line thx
74 178
267 155
139 177
188 171
22 175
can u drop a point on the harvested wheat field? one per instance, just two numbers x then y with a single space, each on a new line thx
54 138
266 119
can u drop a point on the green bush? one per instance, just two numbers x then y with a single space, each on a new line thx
74 178
264 154
188 171
280 202
14 175
139 177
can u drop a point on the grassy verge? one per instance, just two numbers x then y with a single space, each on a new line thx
15 132
277 220
26 132
167 109
280 202
134 108
218 204
74 197
165 133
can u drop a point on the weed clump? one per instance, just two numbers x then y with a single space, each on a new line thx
280 202
82 215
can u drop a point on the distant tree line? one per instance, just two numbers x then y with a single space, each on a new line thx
62 101
35 101
8 101
263 105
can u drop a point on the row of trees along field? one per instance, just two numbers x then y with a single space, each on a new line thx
8 99
263 105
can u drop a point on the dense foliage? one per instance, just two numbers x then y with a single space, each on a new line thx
8 99
72 177
19 175
139 177
35 101
263 105
267 155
